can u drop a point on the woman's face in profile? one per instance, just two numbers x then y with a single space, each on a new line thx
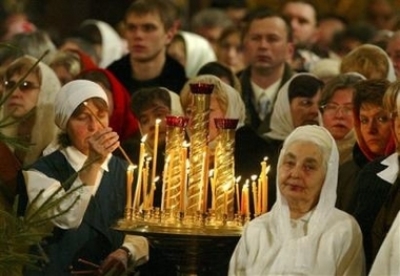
301 173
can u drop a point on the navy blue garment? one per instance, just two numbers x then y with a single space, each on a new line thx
95 238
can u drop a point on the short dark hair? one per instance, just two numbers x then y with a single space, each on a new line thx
369 92
166 9
304 86
341 81
145 98
262 13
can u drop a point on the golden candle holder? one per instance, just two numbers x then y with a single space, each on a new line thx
199 240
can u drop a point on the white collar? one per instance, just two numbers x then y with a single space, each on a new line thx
77 158
270 91
390 173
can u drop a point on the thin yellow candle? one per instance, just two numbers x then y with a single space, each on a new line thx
145 176
259 191
265 191
237 194
254 192
155 149
183 177
142 154
153 188
247 198
244 204
129 183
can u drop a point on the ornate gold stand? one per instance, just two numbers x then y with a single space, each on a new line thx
202 250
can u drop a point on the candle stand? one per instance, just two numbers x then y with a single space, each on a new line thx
194 250
197 226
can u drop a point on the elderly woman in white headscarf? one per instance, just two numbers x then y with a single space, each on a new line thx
303 234
85 231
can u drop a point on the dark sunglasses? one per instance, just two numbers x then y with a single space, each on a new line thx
23 86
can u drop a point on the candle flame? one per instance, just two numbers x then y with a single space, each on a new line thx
211 173
143 138
185 144
267 170
265 158
158 121
253 177
156 179
131 167
238 179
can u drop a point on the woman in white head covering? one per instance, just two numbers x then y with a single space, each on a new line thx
110 45
226 102
192 51
85 231
303 234
29 108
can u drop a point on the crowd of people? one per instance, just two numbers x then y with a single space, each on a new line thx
317 95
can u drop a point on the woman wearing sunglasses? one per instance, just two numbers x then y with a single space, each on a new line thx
28 106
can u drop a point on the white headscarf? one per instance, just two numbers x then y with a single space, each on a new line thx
50 85
326 203
176 107
112 43
72 95
281 119
235 108
198 52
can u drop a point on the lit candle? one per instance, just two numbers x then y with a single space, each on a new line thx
237 194
129 183
145 176
265 191
142 154
155 149
153 188
254 192
183 176
245 197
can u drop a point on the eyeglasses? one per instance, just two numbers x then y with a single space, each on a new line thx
23 86
332 108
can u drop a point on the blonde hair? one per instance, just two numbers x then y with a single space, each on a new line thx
390 97
369 60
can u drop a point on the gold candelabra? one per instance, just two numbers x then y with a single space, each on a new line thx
197 205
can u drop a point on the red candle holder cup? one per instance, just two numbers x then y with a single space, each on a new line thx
176 121
201 88
226 123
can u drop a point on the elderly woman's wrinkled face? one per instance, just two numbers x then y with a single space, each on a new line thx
84 124
301 173
25 97
305 110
